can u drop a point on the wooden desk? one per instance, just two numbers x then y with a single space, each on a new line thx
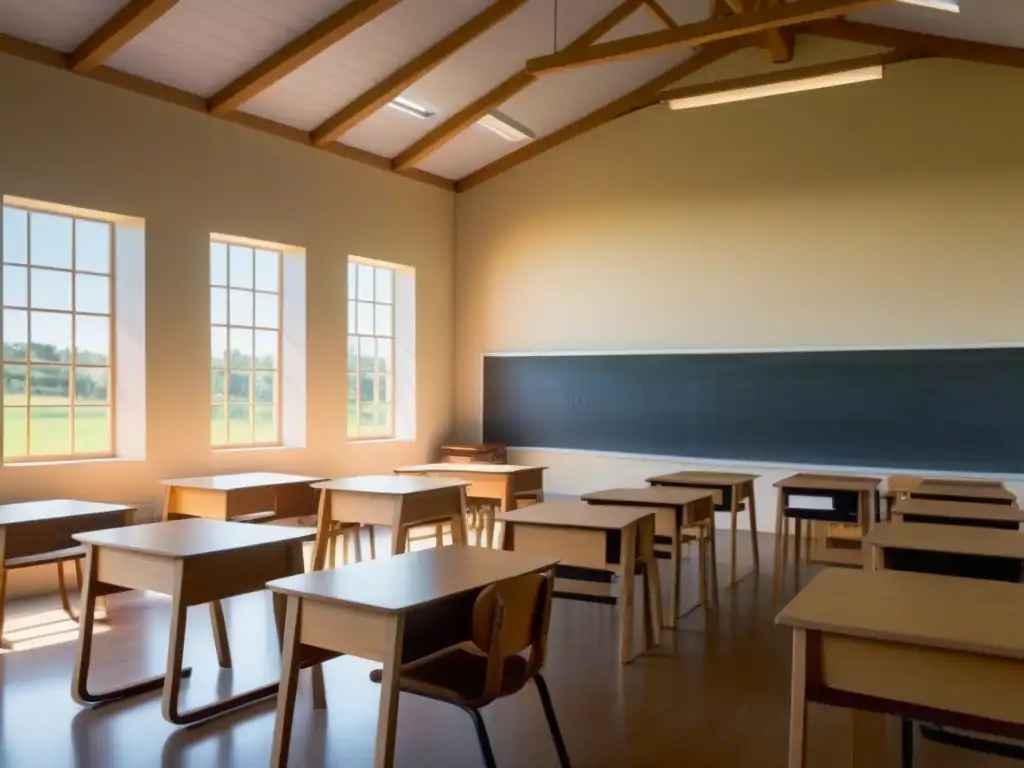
41 533
195 562
731 490
392 611
900 486
981 492
943 549
501 482
243 497
852 505
675 509
884 642
601 538
487 453
982 515
389 500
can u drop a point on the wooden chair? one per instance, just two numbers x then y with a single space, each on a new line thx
508 618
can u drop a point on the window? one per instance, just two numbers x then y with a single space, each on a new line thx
245 315
371 349
58 334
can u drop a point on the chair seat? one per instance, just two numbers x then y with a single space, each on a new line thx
46 558
458 676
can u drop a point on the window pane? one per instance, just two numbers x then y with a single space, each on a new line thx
219 425
266 349
383 422
264 424
219 306
218 382
15 433
49 431
51 290
92 340
218 264
240 272
15 236
51 242
368 418
364 282
14 385
367 353
92 294
92 429
239 391
15 334
263 388
383 319
366 387
384 356
240 307
239 423
241 348
353 353
219 347
383 285
351 280
364 318
15 286
351 389
351 317
51 337
267 310
49 385
92 247
92 385
266 270
383 389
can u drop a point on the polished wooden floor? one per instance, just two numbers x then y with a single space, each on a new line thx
715 694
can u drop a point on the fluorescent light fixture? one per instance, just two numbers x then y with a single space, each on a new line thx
953 6
411 108
505 126
775 89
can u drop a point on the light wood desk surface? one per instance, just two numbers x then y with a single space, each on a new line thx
245 496
962 540
239 480
815 482
578 514
194 537
953 490
390 485
653 496
474 468
956 510
55 509
702 477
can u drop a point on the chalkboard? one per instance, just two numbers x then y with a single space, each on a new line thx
952 409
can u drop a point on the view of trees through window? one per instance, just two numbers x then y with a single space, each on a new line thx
371 350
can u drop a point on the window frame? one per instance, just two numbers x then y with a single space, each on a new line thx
228 241
72 365
352 297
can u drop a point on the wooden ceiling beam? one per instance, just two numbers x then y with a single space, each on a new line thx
117 32
700 33
369 102
504 91
297 52
919 42
663 17
633 100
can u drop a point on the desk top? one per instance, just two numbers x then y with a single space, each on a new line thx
814 482
238 481
651 496
971 615
700 477
958 509
955 539
391 485
396 584
54 509
194 537
577 514
908 483
962 489
480 469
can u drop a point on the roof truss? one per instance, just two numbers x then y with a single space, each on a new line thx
117 32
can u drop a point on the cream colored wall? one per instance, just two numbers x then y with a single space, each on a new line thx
64 139
887 213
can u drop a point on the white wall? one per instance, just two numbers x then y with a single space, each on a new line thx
69 140
879 214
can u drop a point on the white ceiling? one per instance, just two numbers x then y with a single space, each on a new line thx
202 45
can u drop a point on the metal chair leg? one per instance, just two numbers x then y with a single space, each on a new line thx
906 743
482 737
549 713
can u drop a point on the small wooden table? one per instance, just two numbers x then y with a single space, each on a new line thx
676 508
980 492
195 562
900 486
389 500
886 642
600 538
392 611
41 533
731 490
943 549
243 497
501 482
488 453
979 515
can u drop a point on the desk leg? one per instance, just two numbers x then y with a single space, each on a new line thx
733 514
798 702
797 525
168 495
713 564
289 683
677 574
323 531
780 547
387 716
220 634
652 574
752 506
627 557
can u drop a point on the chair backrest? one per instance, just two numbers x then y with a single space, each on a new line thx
509 618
